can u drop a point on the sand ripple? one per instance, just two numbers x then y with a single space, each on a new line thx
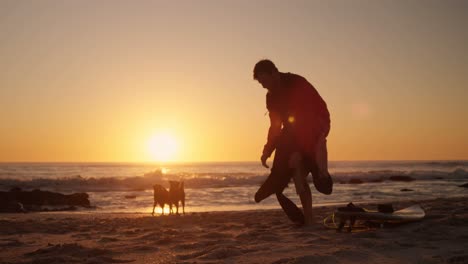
231 237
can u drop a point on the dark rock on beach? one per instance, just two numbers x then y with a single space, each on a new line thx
401 178
376 180
11 207
17 200
355 181
406 190
464 185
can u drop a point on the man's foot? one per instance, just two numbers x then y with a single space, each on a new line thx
308 221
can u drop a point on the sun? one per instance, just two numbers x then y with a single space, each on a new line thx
163 147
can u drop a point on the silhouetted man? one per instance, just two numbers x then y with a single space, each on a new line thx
299 125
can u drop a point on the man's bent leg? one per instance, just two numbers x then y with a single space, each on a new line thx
321 156
321 153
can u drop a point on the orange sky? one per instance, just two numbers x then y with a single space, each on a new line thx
97 80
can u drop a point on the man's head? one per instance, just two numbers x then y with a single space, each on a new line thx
266 73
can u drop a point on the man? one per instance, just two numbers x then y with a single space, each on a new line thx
299 125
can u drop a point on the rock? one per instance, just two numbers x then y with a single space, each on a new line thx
78 199
464 185
355 181
15 189
406 190
376 180
130 196
401 178
11 207
19 201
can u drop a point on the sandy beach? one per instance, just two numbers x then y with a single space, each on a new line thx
263 236
213 108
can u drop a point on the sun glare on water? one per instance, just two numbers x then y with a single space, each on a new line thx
163 147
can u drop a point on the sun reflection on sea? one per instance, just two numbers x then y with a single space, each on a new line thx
158 210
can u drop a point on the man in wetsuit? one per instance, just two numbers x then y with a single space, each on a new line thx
299 125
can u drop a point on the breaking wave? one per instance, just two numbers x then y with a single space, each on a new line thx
210 180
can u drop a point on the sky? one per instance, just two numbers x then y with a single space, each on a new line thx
105 81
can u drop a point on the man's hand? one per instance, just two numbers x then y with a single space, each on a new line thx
264 159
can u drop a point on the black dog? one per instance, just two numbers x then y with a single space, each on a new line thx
352 219
177 194
161 197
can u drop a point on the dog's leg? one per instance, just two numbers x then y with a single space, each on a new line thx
154 205
183 205
177 208
342 223
162 209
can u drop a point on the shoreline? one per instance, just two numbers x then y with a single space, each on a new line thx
332 205
318 207
254 236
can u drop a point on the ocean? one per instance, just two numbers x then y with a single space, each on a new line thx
228 186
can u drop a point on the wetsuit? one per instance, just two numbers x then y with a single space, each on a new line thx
298 118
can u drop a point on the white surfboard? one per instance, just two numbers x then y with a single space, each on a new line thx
409 214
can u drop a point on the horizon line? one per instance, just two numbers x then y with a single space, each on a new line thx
194 162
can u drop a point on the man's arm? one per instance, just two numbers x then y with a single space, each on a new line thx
273 133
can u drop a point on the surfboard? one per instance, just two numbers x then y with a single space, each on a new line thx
409 214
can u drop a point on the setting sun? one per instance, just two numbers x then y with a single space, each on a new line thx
163 147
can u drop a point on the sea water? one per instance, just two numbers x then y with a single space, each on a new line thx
127 187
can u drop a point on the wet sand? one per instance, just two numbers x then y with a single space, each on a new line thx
263 236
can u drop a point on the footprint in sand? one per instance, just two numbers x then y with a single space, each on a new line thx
215 235
268 237
256 248
307 259
252 235
405 244
144 248
71 253
214 253
165 241
150 236
82 236
130 233
195 245
107 239
7 243
458 259
193 254
171 231
222 253
312 241
232 227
